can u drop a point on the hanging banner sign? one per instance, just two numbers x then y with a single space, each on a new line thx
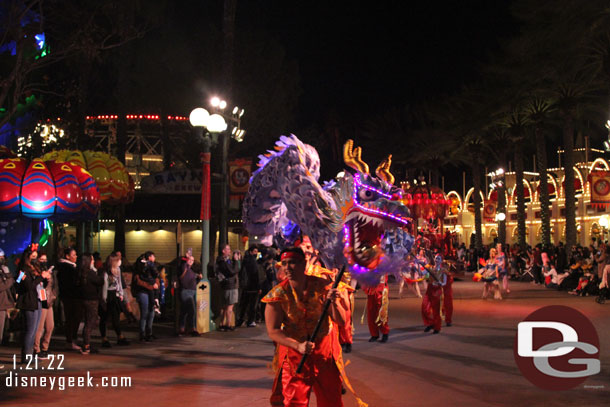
600 187
489 210
182 181
240 171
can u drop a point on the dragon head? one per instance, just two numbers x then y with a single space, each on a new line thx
373 209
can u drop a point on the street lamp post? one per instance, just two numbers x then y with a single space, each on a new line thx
212 124
237 133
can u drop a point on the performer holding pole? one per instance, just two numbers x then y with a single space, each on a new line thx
377 303
293 310
431 304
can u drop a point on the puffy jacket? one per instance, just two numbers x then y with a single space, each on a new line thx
66 279
26 289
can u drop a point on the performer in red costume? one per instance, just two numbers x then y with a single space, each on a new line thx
448 300
293 309
346 331
431 304
377 304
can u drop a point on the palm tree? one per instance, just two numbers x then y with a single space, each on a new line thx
516 124
468 119
538 110
501 138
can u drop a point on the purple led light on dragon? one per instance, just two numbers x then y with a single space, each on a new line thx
346 236
375 211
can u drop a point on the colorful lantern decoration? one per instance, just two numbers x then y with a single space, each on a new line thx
114 183
38 199
46 189
427 201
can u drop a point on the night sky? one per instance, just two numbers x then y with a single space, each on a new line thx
358 60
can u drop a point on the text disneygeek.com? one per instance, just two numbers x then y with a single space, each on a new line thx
15 380
18 376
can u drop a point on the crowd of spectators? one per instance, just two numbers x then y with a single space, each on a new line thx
76 291
85 289
584 272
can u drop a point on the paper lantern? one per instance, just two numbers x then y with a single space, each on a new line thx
428 202
11 174
46 189
108 172
38 197
68 190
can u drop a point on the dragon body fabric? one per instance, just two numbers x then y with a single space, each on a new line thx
356 219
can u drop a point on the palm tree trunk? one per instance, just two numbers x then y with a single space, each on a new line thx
502 200
520 195
569 192
544 191
476 174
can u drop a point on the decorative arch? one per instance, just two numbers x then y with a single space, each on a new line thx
455 194
539 233
596 230
552 182
603 163
516 231
529 190
493 195
493 233
580 178
469 195
451 195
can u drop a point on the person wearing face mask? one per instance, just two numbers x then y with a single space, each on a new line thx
31 281
7 300
47 322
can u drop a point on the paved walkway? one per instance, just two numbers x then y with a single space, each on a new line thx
468 364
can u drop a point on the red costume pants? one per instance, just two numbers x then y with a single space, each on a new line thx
448 300
373 305
345 331
326 384
431 307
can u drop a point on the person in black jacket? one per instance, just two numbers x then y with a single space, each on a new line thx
145 282
251 288
30 282
227 271
90 283
69 296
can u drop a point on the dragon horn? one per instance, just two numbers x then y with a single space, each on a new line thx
352 157
383 170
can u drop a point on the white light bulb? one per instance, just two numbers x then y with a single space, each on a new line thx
216 124
199 117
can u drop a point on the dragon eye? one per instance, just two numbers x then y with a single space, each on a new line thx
365 194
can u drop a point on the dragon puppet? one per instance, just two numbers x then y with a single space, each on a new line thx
356 219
